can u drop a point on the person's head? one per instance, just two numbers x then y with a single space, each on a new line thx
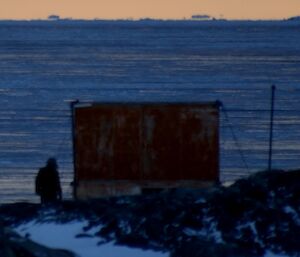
51 162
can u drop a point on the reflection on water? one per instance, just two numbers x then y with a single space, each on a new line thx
44 65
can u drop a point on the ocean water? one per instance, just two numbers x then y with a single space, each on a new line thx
44 65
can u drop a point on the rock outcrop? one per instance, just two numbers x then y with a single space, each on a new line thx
254 215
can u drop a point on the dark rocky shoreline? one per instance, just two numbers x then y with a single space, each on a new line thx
253 215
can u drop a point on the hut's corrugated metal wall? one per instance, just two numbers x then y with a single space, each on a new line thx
144 143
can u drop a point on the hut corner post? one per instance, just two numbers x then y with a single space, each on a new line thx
74 183
273 88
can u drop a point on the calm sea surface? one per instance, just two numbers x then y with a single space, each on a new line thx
43 65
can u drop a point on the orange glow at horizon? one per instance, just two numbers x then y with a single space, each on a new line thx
135 9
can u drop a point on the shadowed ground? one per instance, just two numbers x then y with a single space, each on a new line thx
254 215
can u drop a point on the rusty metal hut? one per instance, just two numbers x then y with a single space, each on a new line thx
122 149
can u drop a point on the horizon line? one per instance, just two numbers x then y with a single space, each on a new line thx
292 18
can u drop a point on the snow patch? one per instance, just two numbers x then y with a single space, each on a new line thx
251 225
291 211
271 254
209 231
63 236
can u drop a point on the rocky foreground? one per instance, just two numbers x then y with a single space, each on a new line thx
249 218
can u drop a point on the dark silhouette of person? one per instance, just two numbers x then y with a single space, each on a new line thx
47 183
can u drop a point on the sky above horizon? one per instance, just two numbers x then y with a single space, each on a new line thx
135 9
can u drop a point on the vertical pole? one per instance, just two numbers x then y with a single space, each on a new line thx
273 88
72 105
219 105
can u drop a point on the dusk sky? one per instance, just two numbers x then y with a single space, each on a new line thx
174 9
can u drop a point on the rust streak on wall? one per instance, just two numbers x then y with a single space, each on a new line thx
147 142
